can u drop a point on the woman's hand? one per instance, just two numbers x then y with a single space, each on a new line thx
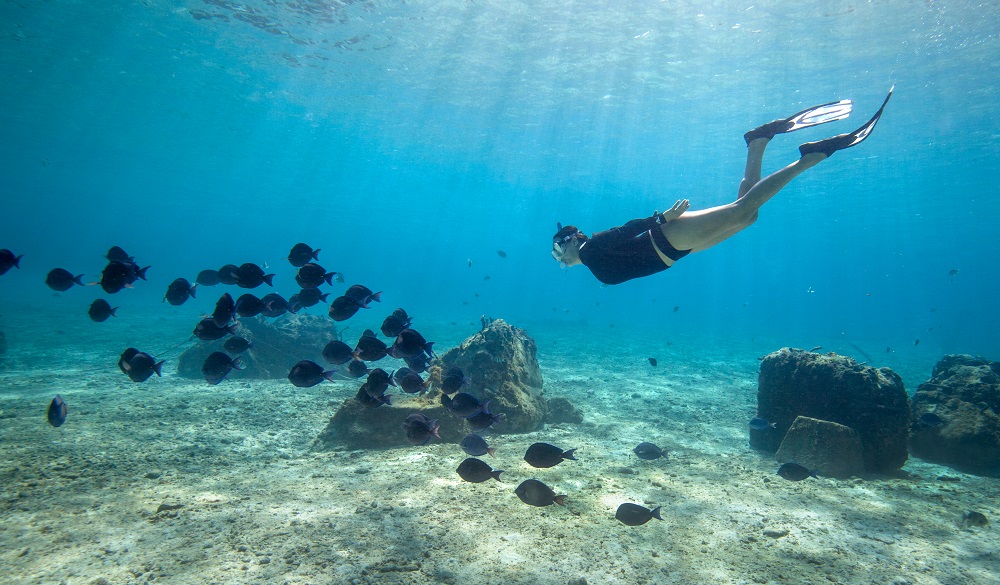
677 210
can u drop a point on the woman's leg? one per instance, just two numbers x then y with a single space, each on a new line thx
698 230
755 158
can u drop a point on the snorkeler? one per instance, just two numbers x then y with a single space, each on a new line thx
646 246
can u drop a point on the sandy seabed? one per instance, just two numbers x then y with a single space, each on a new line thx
175 481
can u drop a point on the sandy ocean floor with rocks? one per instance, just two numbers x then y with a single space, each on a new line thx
175 481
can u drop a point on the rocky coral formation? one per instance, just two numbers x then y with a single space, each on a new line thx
955 416
872 401
826 447
501 362
276 346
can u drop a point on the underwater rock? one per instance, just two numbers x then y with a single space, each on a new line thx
955 416
872 401
357 426
502 363
560 410
276 346
830 449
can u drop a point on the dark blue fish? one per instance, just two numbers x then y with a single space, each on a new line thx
139 366
418 364
394 324
225 310
307 374
312 275
301 254
229 274
57 411
795 472
536 493
410 381
453 380
476 446
761 424
62 280
648 451
372 401
337 352
208 277
483 420
545 455
464 404
343 308
249 305
235 345
652 361
100 310
636 515
207 330
309 297
274 305
378 382
419 429
474 470
218 365
118 254
8 260
179 291
409 343
370 348
249 275
116 276
356 368
363 295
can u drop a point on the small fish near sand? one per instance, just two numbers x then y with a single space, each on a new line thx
968 519
57 411
419 429
761 424
648 451
207 330
795 472
476 446
218 365
138 365
475 470
306 374
536 493
235 345
464 404
337 352
544 455
100 310
652 361
636 515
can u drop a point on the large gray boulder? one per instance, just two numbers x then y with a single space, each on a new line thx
872 401
955 416
502 363
277 345
826 447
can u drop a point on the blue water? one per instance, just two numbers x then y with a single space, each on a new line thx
405 139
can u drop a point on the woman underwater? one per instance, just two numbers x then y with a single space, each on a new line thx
646 246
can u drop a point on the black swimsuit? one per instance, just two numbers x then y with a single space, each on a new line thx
626 252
